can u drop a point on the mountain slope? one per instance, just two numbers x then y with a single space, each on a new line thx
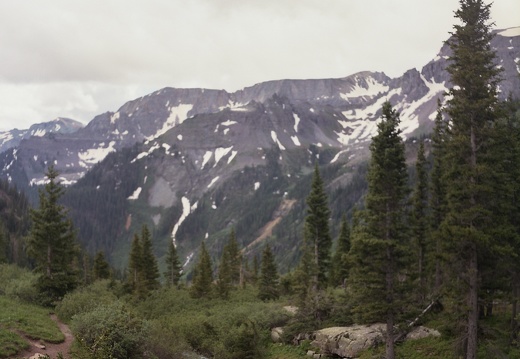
193 163
10 139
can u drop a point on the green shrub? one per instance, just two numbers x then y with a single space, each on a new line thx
111 331
18 283
85 299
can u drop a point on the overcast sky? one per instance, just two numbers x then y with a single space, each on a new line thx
78 59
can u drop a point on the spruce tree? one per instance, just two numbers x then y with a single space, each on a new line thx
173 266
340 265
52 243
224 277
234 257
317 227
379 241
420 217
101 269
268 283
202 276
136 279
438 196
471 109
149 262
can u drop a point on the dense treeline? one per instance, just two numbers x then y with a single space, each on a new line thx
14 224
98 202
440 248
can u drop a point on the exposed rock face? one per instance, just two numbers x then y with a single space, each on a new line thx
60 125
343 113
349 342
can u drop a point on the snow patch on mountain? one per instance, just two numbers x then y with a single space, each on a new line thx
136 194
221 152
274 136
296 122
296 140
178 114
228 123
233 154
372 89
95 155
187 208
39 132
337 156
149 152
213 181
114 117
206 158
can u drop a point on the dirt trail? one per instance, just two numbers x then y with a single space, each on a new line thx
41 347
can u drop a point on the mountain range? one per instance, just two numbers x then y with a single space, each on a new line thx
193 163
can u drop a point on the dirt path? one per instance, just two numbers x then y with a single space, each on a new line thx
40 347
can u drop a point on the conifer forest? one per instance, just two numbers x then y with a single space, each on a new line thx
431 240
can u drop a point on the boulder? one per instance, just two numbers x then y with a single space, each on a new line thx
276 334
422 332
348 342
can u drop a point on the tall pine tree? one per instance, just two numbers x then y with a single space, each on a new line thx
52 243
202 283
420 217
379 242
317 228
471 109
173 266
136 279
149 262
340 265
268 283
438 196
224 277
101 269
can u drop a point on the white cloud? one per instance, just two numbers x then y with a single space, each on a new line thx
79 59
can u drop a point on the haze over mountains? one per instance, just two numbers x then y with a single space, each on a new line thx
178 155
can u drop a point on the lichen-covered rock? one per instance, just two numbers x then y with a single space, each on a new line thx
348 342
276 334
422 332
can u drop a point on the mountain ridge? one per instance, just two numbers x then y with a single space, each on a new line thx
192 163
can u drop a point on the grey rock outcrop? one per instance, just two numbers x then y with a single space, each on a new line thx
349 342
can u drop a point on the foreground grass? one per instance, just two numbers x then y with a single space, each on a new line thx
284 351
31 320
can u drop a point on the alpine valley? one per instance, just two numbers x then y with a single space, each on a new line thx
194 163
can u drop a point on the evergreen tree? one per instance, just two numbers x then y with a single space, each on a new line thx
3 245
101 268
340 265
268 284
256 270
173 266
234 257
379 241
202 275
472 111
136 278
438 195
317 227
420 217
149 262
224 279
52 243
305 275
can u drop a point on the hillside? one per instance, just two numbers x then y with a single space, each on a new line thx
194 163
